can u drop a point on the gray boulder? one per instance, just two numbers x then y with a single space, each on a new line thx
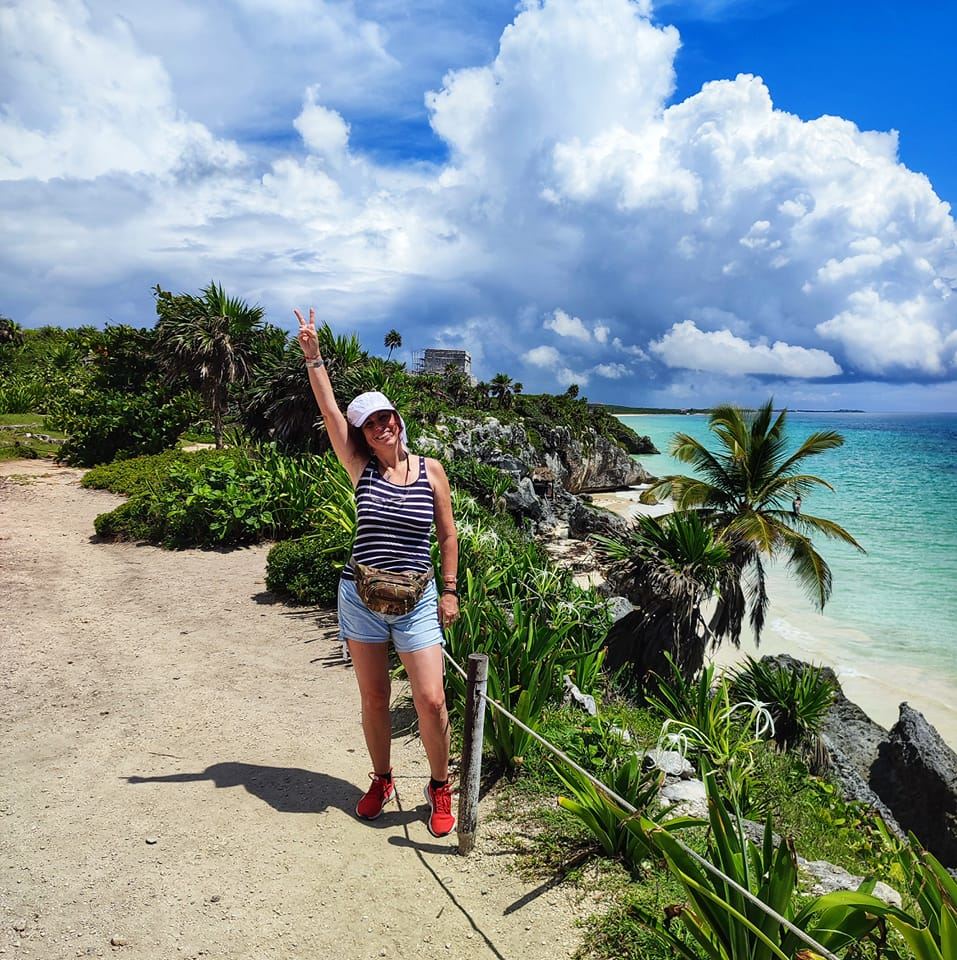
687 798
854 737
845 771
671 762
915 774
524 502
619 607
584 520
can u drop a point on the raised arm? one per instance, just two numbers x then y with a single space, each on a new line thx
350 456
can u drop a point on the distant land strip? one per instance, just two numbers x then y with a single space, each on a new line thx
617 409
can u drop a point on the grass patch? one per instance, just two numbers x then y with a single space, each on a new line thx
32 421
16 445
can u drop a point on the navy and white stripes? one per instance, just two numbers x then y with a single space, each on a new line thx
394 522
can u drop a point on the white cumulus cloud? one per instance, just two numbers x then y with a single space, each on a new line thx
725 233
685 346
610 371
83 102
567 326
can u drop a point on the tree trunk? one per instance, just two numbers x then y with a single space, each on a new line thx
217 412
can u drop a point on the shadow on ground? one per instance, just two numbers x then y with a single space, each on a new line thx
286 789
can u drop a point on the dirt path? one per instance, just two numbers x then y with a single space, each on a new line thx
180 760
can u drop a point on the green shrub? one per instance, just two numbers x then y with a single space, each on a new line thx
308 569
798 699
129 521
485 483
535 625
214 498
138 474
105 425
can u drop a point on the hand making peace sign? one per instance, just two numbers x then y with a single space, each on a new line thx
308 338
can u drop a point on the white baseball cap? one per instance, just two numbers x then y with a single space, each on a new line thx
372 402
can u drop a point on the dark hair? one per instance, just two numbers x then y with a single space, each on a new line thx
358 438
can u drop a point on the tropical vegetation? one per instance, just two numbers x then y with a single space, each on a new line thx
212 368
732 516
745 489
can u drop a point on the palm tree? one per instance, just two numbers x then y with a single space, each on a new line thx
278 403
669 567
502 389
11 333
456 383
212 340
745 489
482 392
393 341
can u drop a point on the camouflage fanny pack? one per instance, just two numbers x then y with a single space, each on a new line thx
389 592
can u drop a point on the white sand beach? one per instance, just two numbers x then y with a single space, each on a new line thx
878 685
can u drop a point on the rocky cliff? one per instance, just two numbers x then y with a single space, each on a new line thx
577 464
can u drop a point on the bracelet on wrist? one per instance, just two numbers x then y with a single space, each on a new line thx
450 590
315 362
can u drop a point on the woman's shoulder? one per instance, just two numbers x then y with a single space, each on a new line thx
434 470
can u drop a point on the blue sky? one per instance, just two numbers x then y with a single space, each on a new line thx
675 206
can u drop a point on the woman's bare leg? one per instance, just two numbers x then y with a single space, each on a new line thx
425 670
371 664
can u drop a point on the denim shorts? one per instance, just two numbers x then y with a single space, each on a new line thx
415 630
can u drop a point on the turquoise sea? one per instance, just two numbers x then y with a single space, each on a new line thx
892 616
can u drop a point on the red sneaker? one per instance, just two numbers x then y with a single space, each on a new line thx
376 797
441 822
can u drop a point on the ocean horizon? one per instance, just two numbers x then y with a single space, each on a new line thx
890 626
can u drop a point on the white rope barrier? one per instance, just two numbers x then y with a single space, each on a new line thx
625 805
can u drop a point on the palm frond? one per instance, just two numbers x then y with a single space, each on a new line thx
808 524
814 445
809 567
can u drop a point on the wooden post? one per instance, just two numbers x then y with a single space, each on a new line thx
474 736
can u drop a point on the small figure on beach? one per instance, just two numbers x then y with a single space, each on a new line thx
796 506
387 591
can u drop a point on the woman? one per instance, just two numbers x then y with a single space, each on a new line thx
398 498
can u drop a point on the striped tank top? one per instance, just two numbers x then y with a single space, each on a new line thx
394 523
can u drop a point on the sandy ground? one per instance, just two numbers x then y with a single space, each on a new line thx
181 759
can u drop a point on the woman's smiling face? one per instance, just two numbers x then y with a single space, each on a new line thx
381 427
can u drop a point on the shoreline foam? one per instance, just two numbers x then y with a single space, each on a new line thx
874 682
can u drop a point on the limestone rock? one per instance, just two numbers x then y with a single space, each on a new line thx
688 797
827 878
915 774
672 762
619 607
583 700
584 520
523 501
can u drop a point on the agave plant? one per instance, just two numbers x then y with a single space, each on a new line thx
514 608
742 897
932 933
604 817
